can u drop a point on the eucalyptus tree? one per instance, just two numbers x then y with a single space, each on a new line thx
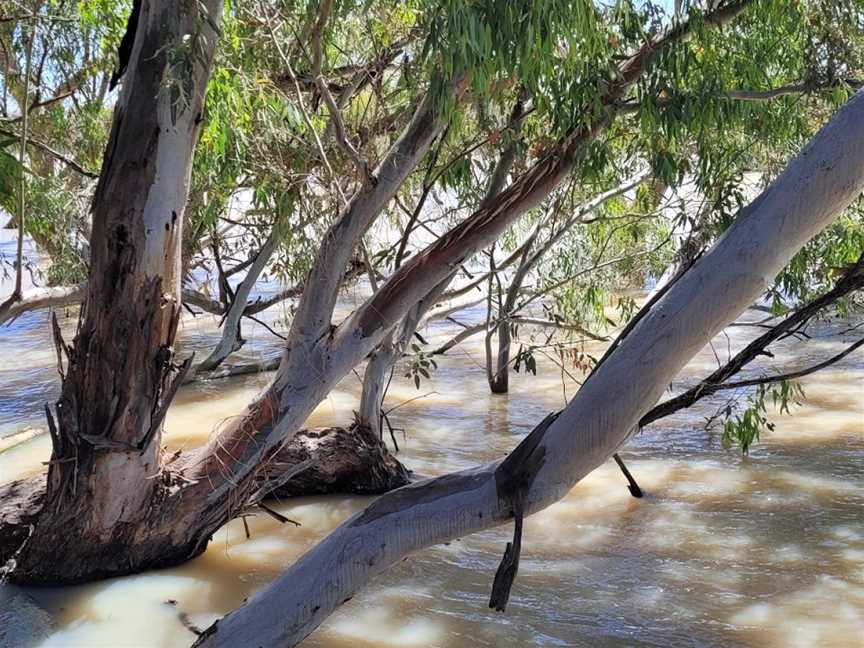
807 197
582 65
120 372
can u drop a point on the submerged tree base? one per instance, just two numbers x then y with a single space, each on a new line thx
316 461
337 460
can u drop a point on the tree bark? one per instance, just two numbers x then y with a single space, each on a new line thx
813 190
499 380
384 357
105 477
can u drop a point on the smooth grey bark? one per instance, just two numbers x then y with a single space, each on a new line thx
384 358
813 190
229 341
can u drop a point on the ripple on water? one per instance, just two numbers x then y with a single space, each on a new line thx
723 550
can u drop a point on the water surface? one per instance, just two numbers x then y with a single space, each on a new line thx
765 550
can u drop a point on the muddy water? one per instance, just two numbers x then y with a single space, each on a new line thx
766 550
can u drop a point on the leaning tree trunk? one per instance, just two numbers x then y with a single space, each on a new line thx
390 350
807 197
120 375
189 500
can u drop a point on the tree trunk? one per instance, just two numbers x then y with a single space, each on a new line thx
348 461
105 475
374 379
385 356
499 381
320 353
113 506
807 197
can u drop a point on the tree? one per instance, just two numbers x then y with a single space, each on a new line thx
431 108
813 190
120 373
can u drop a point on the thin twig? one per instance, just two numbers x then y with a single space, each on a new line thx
22 186
342 140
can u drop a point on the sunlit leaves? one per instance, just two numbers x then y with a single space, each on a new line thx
744 428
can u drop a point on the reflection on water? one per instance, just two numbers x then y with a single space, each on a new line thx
764 550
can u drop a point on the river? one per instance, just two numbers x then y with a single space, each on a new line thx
763 550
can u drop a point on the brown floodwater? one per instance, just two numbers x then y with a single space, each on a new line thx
764 550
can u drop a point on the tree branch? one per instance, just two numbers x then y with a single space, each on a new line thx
853 280
342 140
72 164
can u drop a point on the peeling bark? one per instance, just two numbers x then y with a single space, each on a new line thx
105 482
